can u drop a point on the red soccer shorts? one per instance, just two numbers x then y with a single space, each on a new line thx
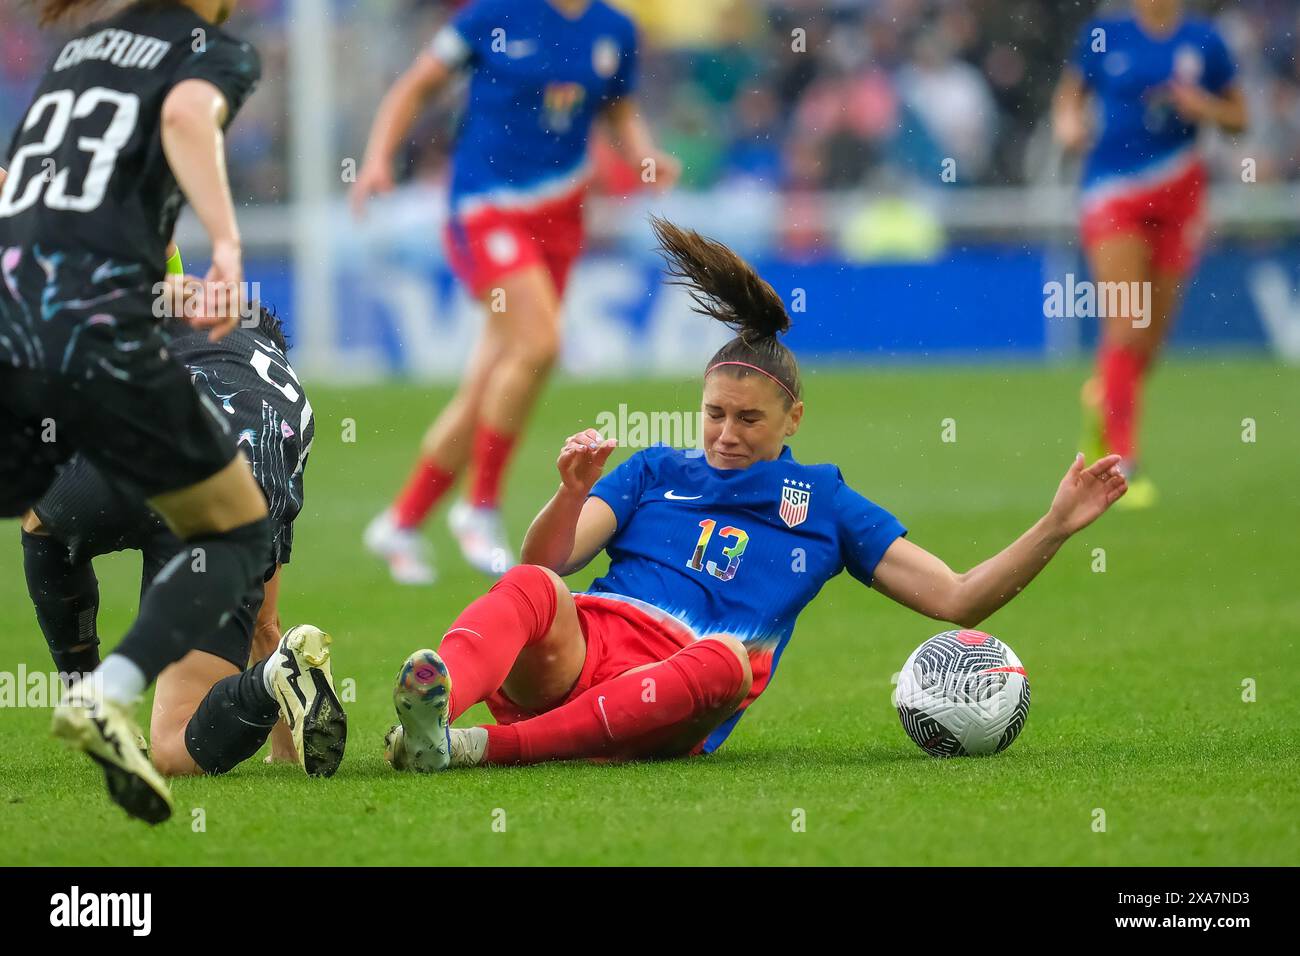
490 243
620 635
1169 216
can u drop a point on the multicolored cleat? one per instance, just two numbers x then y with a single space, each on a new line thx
422 699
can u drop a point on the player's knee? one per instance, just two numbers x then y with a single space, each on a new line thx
539 349
726 669
169 754
537 591
249 543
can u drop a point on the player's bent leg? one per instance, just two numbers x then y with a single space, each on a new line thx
657 711
181 688
680 741
227 548
522 638
66 597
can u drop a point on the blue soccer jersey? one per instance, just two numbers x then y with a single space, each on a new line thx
1142 137
537 81
739 551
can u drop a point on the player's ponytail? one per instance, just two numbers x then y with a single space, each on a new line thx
725 287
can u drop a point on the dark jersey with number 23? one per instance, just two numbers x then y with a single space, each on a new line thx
86 165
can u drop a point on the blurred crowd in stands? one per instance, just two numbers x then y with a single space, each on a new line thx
792 96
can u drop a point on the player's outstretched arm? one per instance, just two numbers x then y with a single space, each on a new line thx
921 581
192 118
397 112
2 178
572 528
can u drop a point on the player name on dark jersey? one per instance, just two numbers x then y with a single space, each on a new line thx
119 47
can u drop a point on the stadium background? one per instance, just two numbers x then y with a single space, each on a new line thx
1161 645
825 165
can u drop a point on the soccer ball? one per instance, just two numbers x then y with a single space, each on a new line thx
962 693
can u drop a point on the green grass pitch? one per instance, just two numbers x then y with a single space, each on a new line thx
1137 672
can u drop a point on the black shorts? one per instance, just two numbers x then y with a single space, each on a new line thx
110 390
93 517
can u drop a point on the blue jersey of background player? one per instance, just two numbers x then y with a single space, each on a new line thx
1130 73
736 551
538 79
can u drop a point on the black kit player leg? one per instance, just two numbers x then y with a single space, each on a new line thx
209 713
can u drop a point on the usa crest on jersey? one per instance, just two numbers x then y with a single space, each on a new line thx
794 504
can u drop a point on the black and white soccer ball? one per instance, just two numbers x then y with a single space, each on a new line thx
962 693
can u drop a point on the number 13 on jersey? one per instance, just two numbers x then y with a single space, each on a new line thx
732 553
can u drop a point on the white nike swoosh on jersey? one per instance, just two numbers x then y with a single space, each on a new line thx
672 497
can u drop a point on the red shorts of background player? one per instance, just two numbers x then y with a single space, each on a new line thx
489 243
620 635
1169 215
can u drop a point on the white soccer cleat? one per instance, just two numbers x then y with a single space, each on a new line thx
422 699
468 746
482 538
108 734
405 550
304 687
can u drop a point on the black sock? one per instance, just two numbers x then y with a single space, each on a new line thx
194 594
66 596
232 721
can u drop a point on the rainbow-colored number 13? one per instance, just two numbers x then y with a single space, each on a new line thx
732 553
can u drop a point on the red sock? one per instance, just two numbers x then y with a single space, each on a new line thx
428 483
633 715
490 454
1121 370
481 645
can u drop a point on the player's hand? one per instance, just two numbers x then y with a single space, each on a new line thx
1071 130
1194 104
222 301
1086 492
667 171
582 459
374 178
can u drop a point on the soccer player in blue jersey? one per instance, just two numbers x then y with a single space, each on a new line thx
663 654
1156 78
541 74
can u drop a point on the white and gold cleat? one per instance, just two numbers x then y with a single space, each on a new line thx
304 687
107 733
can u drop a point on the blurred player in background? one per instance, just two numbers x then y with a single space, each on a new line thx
1156 78
541 72
209 712
686 628
130 117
